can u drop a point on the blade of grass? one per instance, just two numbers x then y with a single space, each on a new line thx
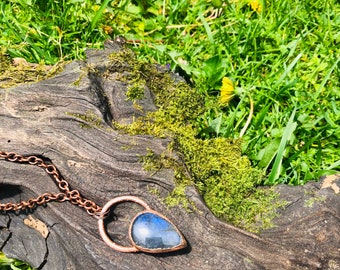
288 69
98 14
333 166
290 128
229 131
218 124
207 28
305 147
261 116
324 81
251 110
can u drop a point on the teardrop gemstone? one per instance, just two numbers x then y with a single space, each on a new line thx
152 232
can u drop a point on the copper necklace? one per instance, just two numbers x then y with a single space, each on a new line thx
149 230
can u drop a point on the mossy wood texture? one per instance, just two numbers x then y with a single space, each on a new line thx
68 119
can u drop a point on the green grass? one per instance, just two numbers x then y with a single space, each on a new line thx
12 264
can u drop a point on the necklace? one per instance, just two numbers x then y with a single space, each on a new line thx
149 231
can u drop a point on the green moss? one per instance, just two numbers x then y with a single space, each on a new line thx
88 120
225 178
122 59
310 202
154 191
153 163
135 91
23 72
82 75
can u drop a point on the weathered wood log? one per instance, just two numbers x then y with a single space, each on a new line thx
103 163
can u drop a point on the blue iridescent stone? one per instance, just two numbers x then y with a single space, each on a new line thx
150 231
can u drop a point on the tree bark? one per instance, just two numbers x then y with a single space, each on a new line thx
68 119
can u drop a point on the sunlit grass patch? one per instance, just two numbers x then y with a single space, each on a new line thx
12 264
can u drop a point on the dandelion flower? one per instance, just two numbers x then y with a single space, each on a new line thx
227 91
256 5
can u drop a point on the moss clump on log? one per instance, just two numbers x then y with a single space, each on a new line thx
224 177
18 70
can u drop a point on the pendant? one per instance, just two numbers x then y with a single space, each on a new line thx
149 230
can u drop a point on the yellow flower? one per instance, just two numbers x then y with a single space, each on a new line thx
107 29
256 5
227 91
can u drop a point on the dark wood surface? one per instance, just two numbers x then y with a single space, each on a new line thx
104 163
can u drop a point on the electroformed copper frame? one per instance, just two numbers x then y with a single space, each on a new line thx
134 247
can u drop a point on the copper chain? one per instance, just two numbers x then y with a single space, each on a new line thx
67 193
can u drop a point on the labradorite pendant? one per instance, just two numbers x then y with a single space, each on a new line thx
149 230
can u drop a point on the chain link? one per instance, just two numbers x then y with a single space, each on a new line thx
67 194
